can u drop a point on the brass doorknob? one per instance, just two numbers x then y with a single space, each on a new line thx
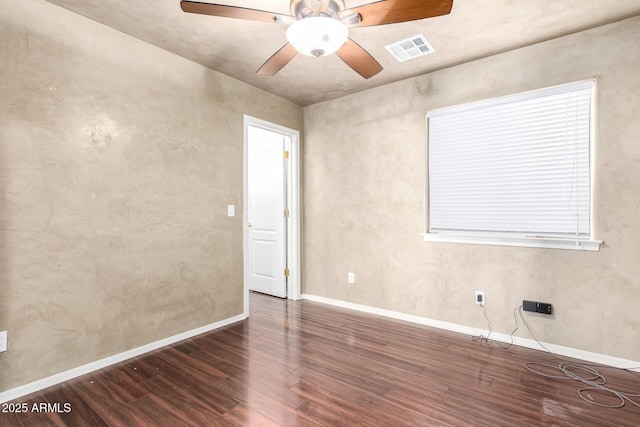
249 225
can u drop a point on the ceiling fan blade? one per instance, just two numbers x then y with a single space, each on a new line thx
356 57
393 11
324 6
227 11
278 60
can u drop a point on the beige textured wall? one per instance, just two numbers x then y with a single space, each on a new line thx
117 162
364 201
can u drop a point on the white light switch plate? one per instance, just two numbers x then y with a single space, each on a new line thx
3 341
231 210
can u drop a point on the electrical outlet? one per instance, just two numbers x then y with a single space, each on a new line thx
480 297
3 341
351 278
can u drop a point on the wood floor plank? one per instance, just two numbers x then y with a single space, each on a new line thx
192 366
272 407
187 385
350 405
135 371
245 416
44 419
107 404
165 410
435 405
21 409
161 411
356 377
10 418
301 363
122 384
79 413
199 408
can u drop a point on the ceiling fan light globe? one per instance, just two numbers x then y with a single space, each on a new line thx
317 35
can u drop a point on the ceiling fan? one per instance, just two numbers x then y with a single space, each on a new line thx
320 27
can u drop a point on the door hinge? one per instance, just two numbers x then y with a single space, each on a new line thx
286 272
287 213
286 154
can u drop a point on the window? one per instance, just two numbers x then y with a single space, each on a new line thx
514 170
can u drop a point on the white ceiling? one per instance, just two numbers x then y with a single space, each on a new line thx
474 29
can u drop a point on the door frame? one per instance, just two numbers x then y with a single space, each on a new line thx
293 201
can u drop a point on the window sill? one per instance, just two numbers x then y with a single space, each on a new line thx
529 242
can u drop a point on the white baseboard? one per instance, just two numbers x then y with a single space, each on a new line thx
38 385
601 359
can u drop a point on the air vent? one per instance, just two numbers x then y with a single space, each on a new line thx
410 48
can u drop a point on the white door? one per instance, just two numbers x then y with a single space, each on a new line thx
266 217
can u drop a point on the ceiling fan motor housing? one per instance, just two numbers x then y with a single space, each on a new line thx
305 8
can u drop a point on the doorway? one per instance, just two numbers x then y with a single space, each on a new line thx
271 214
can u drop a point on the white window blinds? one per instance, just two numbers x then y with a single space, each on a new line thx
518 165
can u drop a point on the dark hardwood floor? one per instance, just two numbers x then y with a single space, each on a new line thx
307 364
